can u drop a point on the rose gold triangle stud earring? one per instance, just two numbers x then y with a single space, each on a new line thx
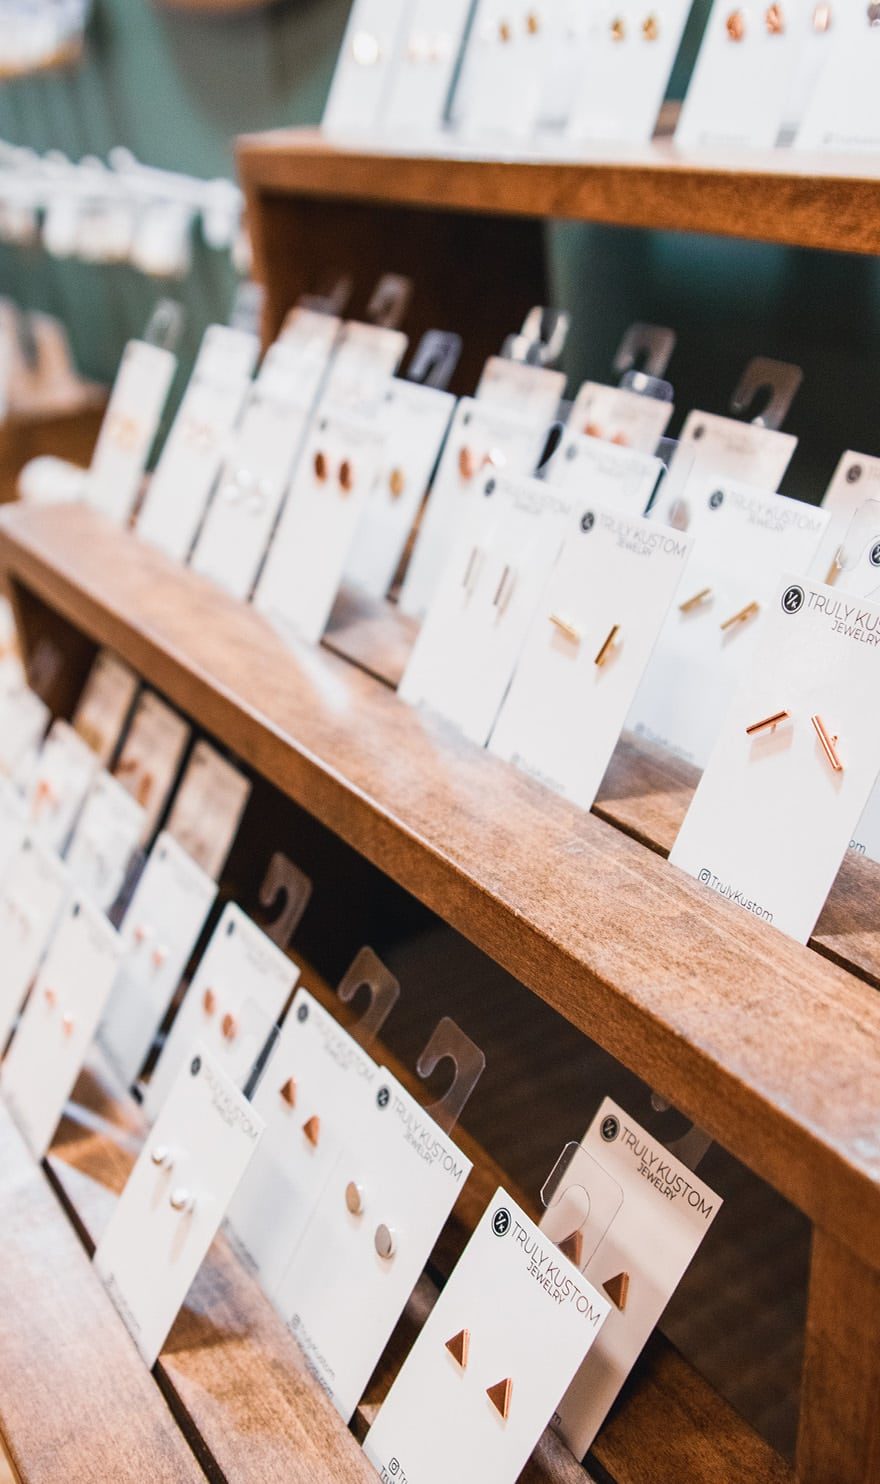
459 1347
499 1395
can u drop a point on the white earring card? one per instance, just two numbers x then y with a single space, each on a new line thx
712 448
856 480
519 389
618 415
422 75
23 722
564 711
492 1360
626 55
364 67
61 779
175 1199
363 358
104 841
590 469
59 1022
34 891
795 762
129 428
105 704
664 1212
151 755
236 996
843 111
161 927
13 824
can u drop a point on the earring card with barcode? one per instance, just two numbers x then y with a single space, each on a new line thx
620 416
59 1021
61 779
634 1248
472 637
317 1088
151 1249
166 914
136 404
743 539
151 755
236 995
515 1319
341 459
341 1296
613 580
777 806
104 706
207 809
34 891
483 439
104 841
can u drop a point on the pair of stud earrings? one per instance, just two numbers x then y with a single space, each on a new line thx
245 490
423 48
742 616
595 430
573 634
500 1393
827 740
344 474
228 1022
384 1237
158 953
649 30
532 25
617 1287
774 20
67 1021
504 590
180 1200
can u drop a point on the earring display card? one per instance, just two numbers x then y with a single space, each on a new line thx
130 423
63 775
171 1209
105 704
481 438
33 895
491 1362
237 994
856 480
795 762
424 68
626 57
743 539
104 841
23 722
13 824
371 1233
715 448
588 468
532 392
12 674
747 68
638 1272
314 334
59 1022
365 356
469 644
413 421
501 85
363 70
190 461
341 461
843 112
208 807
317 1088
564 711
160 929
621 416
151 756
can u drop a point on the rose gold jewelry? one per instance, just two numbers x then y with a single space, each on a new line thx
321 466
618 29
229 1026
829 743
142 932
346 476
572 1247
288 1092
769 723
467 464
691 603
397 483
499 1395
505 31
650 28
774 20
354 1198
604 652
592 430
835 569
385 1242
181 1200
566 629
736 25
822 18
750 611
617 1289
67 1023
459 1347
312 1130
209 1002
533 23
159 955
50 997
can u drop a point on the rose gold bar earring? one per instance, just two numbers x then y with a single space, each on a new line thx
750 611
566 629
690 604
829 743
769 723
604 652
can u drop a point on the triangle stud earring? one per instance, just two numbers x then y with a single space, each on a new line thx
617 1289
499 1395
312 1130
459 1347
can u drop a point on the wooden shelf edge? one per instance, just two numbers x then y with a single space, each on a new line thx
782 196
774 1051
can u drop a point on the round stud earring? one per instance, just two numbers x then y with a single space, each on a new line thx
50 997
467 464
209 1002
321 467
162 1157
67 1023
180 1200
533 23
366 49
385 1242
618 29
396 483
229 1027
650 28
346 476
354 1198
505 31
822 18
736 25
774 20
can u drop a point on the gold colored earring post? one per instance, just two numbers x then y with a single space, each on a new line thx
602 656
691 603
829 743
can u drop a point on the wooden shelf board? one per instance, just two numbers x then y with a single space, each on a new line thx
773 1050
63 1342
784 196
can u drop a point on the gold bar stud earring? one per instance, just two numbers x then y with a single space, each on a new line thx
690 604
604 652
829 743
769 723
750 611
566 629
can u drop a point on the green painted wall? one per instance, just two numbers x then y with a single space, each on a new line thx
176 90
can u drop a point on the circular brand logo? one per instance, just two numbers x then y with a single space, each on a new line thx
501 1222
610 1128
489 488
303 1012
793 599
874 558
853 473
588 520
383 1097
195 1066
716 499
